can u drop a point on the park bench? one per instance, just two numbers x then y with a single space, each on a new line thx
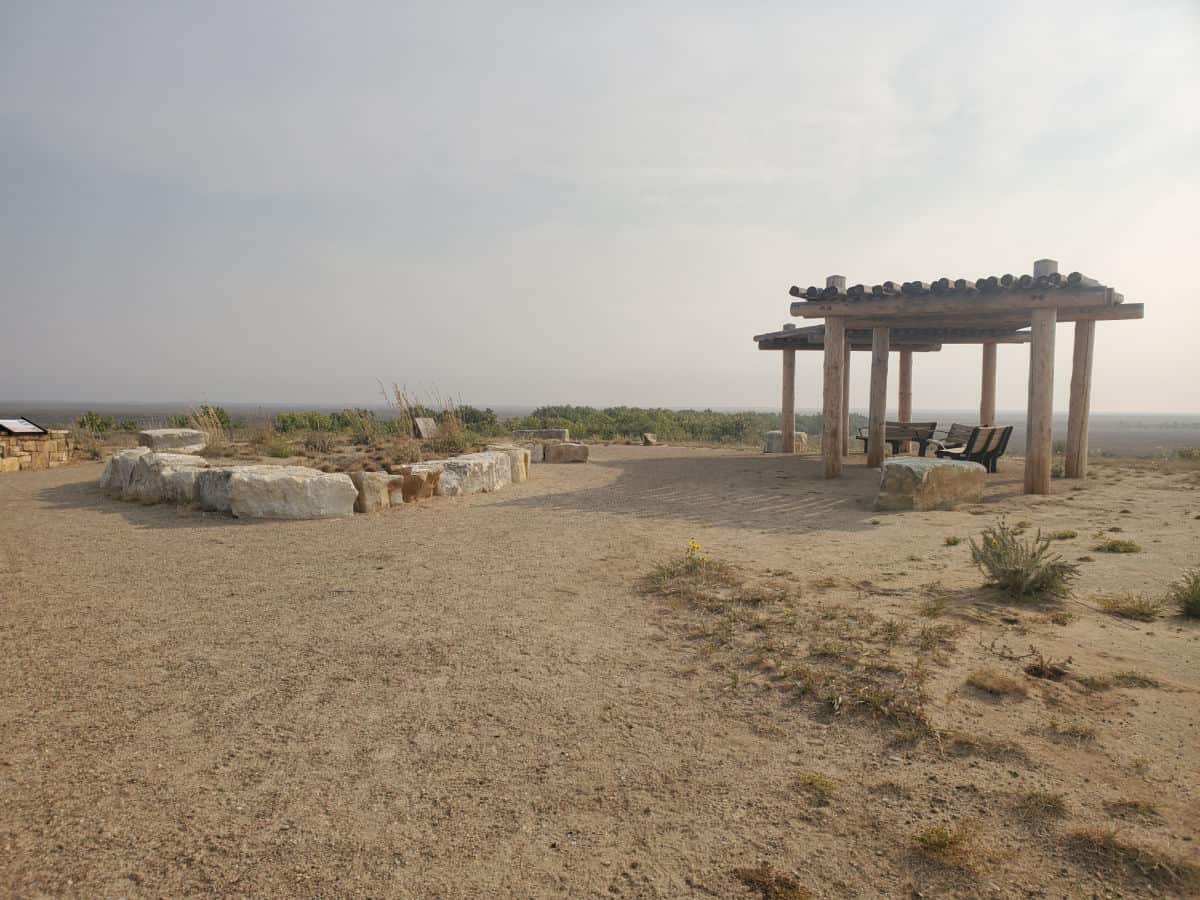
897 433
985 445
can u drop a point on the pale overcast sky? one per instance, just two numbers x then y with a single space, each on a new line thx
591 203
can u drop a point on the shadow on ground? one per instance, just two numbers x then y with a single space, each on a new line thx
87 495
771 494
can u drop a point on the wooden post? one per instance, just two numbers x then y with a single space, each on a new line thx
789 401
1081 400
1039 419
831 396
845 448
904 408
880 350
987 392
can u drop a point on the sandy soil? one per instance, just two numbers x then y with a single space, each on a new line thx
470 698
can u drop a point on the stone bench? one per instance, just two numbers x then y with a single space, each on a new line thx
542 434
774 441
182 440
921 483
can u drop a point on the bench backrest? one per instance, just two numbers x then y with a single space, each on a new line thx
958 435
987 439
912 431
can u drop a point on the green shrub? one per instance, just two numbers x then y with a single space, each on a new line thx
279 448
1185 593
610 423
1022 568
95 423
206 412
1118 545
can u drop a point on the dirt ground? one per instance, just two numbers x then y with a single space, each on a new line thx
471 697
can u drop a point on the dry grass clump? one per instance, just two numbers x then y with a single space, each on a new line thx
996 683
953 541
818 787
1022 568
1105 853
1070 733
207 418
772 885
319 442
1131 606
947 845
1040 807
1126 679
960 743
1064 535
694 578
1118 545
1185 593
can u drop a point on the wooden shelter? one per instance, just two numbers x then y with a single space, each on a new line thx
920 316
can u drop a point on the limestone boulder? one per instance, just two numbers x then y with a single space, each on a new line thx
518 458
536 453
374 490
290 492
649 439
212 487
115 479
925 483
474 473
149 481
419 481
182 440
542 434
566 453
774 442
426 428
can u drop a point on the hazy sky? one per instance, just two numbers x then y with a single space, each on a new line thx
595 203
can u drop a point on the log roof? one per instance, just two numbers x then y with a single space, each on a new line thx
954 287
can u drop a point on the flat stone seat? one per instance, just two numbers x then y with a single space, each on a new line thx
924 483
774 441
542 434
185 440
565 453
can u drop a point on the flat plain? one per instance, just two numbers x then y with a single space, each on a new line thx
480 696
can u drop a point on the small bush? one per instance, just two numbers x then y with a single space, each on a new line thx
95 423
953 541
212 420
772 885
1022 568
1064 535
1185 593
942 842
1118 545
319 442
1037 807
279 449
694 578
817 786
1131 606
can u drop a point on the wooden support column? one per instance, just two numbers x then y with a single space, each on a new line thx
987 391
880 350
845 448
788 407
831 395
904 407
1081 400
1039 419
